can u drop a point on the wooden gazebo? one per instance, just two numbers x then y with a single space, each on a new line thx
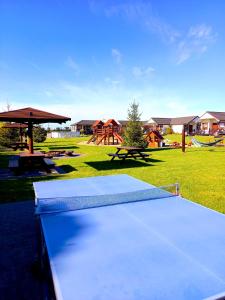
30 116
19 126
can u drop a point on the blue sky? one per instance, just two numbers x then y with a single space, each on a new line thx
90 59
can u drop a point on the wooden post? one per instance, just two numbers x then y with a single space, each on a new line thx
183 139
21 135
30 136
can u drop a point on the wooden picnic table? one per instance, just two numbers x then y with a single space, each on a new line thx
130 152
26 160
19 145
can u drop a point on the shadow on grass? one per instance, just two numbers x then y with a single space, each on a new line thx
159 149
116 164
62 147
207 149
67 168
13 190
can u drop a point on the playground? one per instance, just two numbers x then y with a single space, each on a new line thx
195 170
108 133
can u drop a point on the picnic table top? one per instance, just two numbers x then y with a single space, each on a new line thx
130 148
35 154
19 143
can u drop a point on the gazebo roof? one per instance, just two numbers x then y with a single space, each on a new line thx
33 115
15 125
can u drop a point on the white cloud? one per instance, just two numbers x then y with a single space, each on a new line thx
140 12
72 64
103 99
112 81
117 56
195 42
141 72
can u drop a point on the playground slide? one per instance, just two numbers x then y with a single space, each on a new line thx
101 139
118 137
92 139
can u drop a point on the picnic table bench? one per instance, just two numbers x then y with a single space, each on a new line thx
14 164
131 152
25 161
49 162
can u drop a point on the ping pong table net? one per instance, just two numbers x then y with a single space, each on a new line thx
63 204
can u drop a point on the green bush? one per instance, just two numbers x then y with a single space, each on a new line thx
8 136
168 130
39 134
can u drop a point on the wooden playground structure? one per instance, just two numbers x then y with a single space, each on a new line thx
154 139
107 133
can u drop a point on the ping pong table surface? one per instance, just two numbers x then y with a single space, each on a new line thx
169 248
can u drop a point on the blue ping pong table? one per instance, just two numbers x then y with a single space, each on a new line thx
168 248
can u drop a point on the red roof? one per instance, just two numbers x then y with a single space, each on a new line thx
33 115
98 122
111 121
156 132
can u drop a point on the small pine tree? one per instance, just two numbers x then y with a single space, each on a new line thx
133 135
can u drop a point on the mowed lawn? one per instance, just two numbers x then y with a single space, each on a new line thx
200 171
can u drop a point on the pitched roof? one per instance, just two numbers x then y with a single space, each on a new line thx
111 121
98 122
84 122
182 120
157 133
217 115
33 115
123 122
161 121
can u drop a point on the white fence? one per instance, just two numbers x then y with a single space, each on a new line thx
63 134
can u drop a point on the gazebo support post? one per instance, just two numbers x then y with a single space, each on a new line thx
21 135
183 139
30 136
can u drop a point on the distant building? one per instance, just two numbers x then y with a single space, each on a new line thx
191 124
158 124
85 125
176 124
213 122
63 134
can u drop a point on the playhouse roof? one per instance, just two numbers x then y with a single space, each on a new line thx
98 122
156 132
111 121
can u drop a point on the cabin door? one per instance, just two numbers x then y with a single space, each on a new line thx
190 129
215 127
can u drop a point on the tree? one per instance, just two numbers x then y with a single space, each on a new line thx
39 134
8 136
133 135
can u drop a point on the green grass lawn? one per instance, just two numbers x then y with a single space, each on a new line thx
200 171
